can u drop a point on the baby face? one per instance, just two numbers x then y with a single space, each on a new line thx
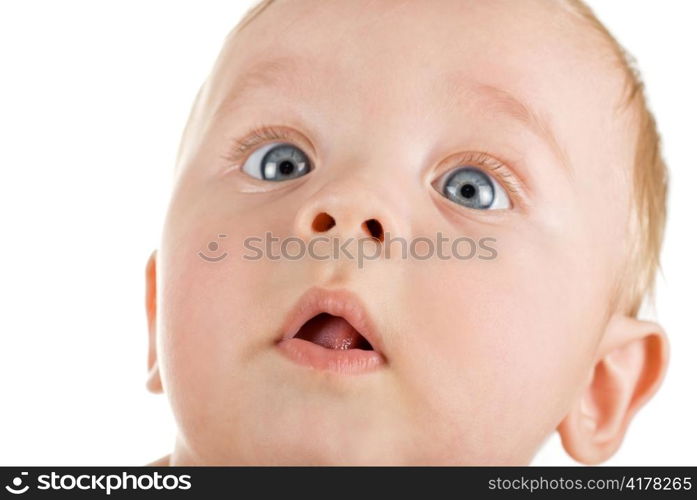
458 118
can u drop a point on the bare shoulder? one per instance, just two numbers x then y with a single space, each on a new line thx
160 462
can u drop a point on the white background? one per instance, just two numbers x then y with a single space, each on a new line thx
93 99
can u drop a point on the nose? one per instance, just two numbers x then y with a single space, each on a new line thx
323 222
350 209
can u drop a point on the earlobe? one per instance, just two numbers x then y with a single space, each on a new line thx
630 364
154 383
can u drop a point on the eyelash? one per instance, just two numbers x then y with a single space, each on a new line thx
257 136
268 133
491 164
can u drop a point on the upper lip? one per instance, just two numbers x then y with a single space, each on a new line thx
337 302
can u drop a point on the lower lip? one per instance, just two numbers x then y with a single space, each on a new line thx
345 362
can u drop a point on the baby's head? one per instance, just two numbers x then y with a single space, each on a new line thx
517 125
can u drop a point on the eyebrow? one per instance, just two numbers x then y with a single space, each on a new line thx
283 74
280 73
505 102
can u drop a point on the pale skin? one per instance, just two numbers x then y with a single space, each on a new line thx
485 359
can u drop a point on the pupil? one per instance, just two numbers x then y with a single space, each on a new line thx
285 167
468 190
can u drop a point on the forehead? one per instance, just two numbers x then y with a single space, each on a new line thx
409 63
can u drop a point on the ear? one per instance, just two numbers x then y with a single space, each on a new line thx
628 369
154 383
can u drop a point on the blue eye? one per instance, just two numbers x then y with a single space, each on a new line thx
277 162
473 188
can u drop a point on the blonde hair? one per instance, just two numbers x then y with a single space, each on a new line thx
650 177
251 13
636 280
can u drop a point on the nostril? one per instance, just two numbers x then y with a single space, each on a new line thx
323 222
374 228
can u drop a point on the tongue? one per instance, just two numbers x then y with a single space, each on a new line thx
332 332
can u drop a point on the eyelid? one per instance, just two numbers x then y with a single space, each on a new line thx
259 135
262 134
515 189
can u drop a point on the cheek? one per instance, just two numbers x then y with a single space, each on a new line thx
209 321
503 342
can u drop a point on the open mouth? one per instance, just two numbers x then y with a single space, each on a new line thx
332 332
